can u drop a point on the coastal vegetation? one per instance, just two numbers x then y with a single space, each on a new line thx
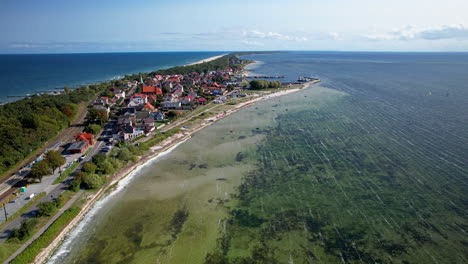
25 125
264 84
30 226
30 253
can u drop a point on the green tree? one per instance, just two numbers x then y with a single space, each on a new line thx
93 181
172 114
94 129
40 169
89 167
99 158
259 84
99 117
25 230
54 159
47 208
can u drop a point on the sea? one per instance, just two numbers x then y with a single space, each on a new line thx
368 166
28 74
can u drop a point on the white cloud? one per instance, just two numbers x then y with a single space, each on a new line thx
251 43
334 35
255 34
413 32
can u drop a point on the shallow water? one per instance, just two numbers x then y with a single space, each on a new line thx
373 170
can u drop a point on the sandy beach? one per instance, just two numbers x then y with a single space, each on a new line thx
207 60
155 151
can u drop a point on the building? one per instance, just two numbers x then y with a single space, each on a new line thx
138 100
82 141
152 90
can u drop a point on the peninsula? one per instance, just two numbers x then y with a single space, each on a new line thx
126 123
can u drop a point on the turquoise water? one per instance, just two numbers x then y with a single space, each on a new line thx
370 167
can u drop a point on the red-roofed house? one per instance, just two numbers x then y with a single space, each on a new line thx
201 100
152 90
148 107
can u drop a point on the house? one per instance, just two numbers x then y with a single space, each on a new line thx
192 93
148 108
117 92
102 103
175 104
171 102
159 115
152 90
147 125
129 110
82 141
126 133
186 100
178 89
201 100
138 100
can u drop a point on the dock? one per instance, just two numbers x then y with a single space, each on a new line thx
266 77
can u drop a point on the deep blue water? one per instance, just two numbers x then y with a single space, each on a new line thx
30 73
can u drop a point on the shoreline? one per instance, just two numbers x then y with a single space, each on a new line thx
207 59
156 151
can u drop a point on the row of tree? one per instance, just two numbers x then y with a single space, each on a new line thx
264 84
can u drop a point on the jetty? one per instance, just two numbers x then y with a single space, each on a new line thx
266 77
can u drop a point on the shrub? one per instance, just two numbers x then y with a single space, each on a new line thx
92 181
28 255
47 208
25 230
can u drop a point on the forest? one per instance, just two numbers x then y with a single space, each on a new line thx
25 125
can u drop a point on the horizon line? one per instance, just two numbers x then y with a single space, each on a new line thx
340 51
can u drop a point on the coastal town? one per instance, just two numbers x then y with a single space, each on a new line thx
150 112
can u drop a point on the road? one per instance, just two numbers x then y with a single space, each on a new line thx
53 194
44 228
10 185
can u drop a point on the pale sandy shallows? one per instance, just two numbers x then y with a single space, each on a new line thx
157 149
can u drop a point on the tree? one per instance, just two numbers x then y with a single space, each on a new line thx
259 84
66 110
93 181
89 167
94 129
97 116
47 208
25 229
99 158
40 169
54 159
172 114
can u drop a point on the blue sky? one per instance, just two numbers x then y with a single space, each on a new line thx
53 26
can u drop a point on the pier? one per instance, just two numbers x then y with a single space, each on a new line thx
266 77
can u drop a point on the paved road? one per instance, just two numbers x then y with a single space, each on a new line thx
44 228
55 191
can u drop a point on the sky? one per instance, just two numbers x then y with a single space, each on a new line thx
76 26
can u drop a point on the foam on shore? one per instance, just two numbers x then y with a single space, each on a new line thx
64 248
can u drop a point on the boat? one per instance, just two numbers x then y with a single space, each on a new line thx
305 79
